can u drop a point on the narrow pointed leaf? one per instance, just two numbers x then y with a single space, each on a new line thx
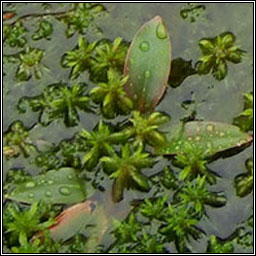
140 180
62 187
148 63
210 137
120 183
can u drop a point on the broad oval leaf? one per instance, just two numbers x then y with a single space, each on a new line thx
56 186
210 137
148 64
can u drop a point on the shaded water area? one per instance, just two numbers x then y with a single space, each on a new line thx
199 97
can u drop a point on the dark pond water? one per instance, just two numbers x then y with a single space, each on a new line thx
213 100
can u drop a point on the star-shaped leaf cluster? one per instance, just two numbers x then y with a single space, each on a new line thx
97 57
30 64
111 96
216 52
195 195
79 58
44 30
80 17
125 169
99 143
192 162
16 141
24 223
58 101
145 128
15 35
108 55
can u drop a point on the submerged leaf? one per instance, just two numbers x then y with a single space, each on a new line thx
86 216
210 137
148 63
71 221
62 187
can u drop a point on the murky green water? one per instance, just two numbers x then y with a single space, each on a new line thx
213 100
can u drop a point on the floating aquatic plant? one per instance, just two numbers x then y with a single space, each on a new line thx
244 182
180 226
44 30
80 17
26 246
192 160
111 95
107 55
58 101
30 64
145 130
154 209
47 161
196 194
79 58
245 118
24 223
126 230
132 236
216 245
99 143
216 52
15 35
192 12
148 63
125 169
16 141
168 179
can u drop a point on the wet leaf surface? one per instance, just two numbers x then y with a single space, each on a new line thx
62 187
210 137
148 64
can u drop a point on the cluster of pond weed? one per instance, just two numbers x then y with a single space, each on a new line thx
154 222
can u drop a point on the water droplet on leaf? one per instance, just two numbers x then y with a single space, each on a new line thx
48 193
144 46
197 138
31 195
64 191
147 74
210 127
30 184
161 31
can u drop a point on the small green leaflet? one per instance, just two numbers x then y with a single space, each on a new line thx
210 137
148 64
56 186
